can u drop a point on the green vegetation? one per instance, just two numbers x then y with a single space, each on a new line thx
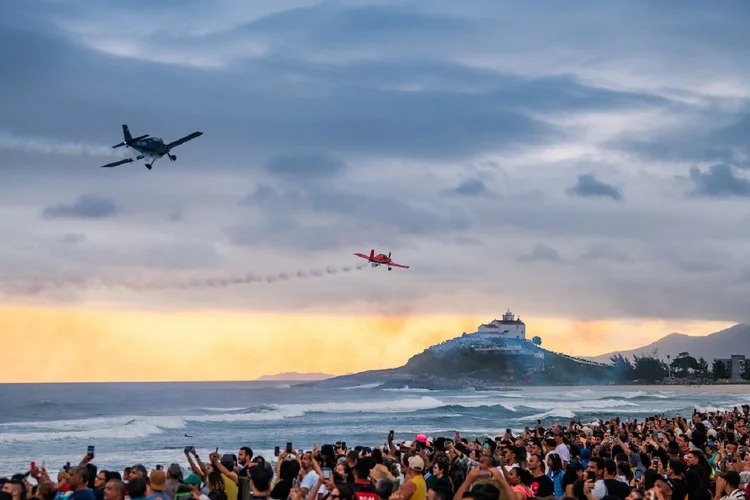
497 366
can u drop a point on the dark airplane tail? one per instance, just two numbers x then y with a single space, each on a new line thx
126 134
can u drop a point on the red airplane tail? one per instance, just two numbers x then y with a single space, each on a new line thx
372 253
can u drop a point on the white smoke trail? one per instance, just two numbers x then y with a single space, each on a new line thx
33 286
46 146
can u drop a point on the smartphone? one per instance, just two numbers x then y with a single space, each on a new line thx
343 444
159 467
391 434
289 447
660 435
32 466
300 452
326 473
638 474
508 431
67 467
485 473
277 451
90 451
591 476
187 449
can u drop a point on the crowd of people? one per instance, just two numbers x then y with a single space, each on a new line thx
703 457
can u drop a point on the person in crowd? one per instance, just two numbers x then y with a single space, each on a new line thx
663 458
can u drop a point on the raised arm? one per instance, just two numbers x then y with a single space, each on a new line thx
228 473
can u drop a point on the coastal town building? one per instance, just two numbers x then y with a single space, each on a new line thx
735 365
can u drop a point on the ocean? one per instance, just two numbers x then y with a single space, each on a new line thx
151 423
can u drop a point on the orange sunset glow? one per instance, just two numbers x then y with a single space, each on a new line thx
79 345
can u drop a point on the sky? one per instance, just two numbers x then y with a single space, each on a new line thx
587 167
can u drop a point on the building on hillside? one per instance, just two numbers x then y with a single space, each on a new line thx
507 335
735 364
509 327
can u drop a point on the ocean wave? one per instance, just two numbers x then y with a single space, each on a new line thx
409 389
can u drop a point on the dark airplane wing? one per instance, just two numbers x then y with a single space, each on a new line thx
184 140
117 163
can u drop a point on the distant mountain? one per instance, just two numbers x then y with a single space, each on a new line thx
293 377
734 340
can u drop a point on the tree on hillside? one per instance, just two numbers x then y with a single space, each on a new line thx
684 365
703 369
623 367
719 370
649 367
537 340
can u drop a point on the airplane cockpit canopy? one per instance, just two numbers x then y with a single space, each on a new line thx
157 139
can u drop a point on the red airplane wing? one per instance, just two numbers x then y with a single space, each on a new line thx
398 265
362 256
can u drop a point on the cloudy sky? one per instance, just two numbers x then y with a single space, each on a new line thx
586 167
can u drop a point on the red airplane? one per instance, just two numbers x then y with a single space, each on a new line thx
379 259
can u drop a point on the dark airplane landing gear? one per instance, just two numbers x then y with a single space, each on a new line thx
148 166
173 157
390 269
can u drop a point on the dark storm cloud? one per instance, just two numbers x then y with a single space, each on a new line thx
588 185
350 107
470 188
87 206
72 238
541 253
398 100
605 251
720 181
321 217
305 165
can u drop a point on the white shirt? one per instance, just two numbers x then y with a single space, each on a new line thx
309 482
563 451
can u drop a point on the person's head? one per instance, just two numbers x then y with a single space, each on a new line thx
91 475
693 458
610 469
536 463
14 488
596 465
439 492
174 471
440 467
307 461
664 486
114 489
101 479
676 468
78 477
731 480
157 481
289 470
384 489
245 456
138 470
635 494
558 434
683 443
416 465
362 469
342 491
554 462
136 487
260 479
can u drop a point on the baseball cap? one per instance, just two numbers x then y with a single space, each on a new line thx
416 463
